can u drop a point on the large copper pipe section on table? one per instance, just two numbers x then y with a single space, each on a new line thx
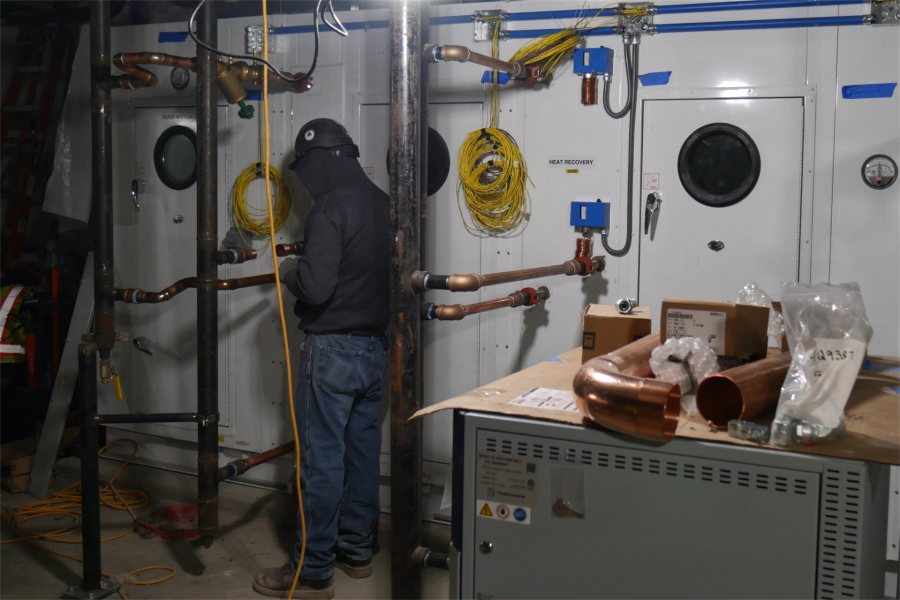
455 312
240 466
136 296
743 392
138 76
616 391
463 54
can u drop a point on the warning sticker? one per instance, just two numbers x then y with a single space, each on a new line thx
504 512
708 325
505 487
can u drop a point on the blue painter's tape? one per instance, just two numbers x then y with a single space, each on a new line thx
488 77
172 36
879 367
554 359
254 95
868 90
895 389
657 78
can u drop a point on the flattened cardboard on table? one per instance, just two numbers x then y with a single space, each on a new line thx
873 411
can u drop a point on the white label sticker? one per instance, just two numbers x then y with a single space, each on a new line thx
708 325
571 162
835 364
650 181
547 399
503 512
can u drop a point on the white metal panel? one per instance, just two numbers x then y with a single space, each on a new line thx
760 233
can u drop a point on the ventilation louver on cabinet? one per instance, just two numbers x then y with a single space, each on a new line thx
839 559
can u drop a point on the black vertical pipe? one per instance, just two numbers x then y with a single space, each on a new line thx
207 275
90 468
101 173
406 130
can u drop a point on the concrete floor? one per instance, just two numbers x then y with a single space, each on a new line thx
256 532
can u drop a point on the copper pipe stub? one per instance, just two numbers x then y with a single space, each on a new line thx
589 89
743 392
616 391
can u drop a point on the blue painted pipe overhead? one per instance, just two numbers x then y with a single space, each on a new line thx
663 9
761 24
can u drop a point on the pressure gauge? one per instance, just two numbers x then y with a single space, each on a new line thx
179 78
879 171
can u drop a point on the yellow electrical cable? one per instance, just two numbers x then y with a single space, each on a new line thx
254 220
67 503
284 332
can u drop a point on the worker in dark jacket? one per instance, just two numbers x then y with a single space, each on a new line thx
342 289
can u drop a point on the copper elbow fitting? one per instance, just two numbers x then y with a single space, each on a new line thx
615 390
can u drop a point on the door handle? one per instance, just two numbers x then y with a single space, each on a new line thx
654 200
137 187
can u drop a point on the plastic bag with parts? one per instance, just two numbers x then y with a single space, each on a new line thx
684 361
754 295
827 331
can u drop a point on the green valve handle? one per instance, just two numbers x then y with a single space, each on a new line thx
246 111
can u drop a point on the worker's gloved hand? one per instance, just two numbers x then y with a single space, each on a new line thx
287 273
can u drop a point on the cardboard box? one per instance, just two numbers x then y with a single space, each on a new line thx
734 330
605 329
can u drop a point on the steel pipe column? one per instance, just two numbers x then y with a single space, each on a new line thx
101 180
207 277
406 170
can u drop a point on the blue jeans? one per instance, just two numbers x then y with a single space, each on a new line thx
338 401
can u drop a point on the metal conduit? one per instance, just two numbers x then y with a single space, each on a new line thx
207 280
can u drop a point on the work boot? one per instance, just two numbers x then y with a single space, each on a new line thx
276 582
354 567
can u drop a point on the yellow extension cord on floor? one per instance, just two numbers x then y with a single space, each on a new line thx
67 503
284 334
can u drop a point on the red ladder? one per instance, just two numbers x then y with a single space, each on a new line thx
32 103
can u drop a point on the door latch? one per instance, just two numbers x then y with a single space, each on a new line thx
138 186
654 200
141 344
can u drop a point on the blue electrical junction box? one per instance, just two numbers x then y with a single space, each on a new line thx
593 61
589 216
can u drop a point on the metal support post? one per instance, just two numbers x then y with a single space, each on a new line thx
207 277
406 131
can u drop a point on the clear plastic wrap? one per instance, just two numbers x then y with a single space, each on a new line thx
684 361
754 295
827 331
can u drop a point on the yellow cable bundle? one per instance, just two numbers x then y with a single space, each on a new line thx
492 177
252 219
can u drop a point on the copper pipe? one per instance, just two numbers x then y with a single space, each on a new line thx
140 77
251 76
615 390
240 466
136 296
235 256
584 247
589 89
463 54
292 249
455 312
744 392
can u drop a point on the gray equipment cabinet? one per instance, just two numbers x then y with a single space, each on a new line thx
546 510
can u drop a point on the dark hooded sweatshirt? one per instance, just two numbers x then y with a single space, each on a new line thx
342 281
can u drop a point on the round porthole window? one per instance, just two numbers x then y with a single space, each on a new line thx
719 164
175 157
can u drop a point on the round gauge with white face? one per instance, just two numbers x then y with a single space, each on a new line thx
879 171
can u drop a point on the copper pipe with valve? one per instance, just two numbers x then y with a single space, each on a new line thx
527 74
136 296
454 312
616 390
292 249
582 264
235 256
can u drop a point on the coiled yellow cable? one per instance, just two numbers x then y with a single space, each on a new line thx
254 220
492 178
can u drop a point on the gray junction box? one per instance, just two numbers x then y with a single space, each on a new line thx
547 510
